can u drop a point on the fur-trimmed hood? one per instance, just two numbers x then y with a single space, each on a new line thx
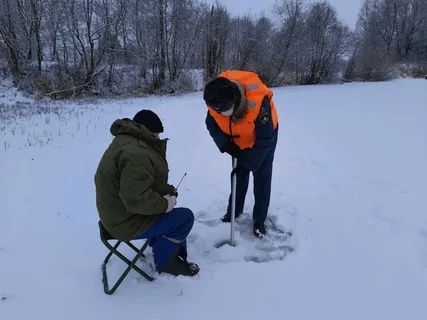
241 110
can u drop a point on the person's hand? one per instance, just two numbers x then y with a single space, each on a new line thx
239 170
171 202
232 149
172 191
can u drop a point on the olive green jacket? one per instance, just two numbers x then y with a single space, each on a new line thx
131 180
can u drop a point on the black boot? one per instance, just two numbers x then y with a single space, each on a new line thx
227 217
259 229
179 266
182 253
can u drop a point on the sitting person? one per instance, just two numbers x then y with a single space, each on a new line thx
133 197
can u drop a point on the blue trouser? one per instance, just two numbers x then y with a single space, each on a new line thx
262 187
168 233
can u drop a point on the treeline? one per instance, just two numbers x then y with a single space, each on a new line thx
66 48
390 34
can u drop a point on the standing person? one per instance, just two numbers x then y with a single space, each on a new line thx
243 122
133 197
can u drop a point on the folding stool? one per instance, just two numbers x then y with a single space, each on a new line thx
105 237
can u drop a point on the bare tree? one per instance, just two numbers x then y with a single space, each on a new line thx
149 19
326 42
10 33
243 41
388 32
113 14
409 21
54 19
64 48
139 27
20 28
291 15
183 29
216 37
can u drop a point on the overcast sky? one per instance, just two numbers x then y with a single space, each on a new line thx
348 10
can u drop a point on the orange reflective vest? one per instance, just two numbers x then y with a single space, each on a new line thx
243 131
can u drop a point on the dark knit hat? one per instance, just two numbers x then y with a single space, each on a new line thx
149 119
220 93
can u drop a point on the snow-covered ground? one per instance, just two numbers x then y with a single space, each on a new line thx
350 181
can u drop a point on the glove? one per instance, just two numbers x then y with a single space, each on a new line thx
171 202
232 149
239 170
171 190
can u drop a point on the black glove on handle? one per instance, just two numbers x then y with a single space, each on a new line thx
232 149
239 170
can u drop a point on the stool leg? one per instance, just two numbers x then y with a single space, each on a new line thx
131 265
111 251
133 247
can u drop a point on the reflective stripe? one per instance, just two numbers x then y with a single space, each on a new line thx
173 240
251 104
253 86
